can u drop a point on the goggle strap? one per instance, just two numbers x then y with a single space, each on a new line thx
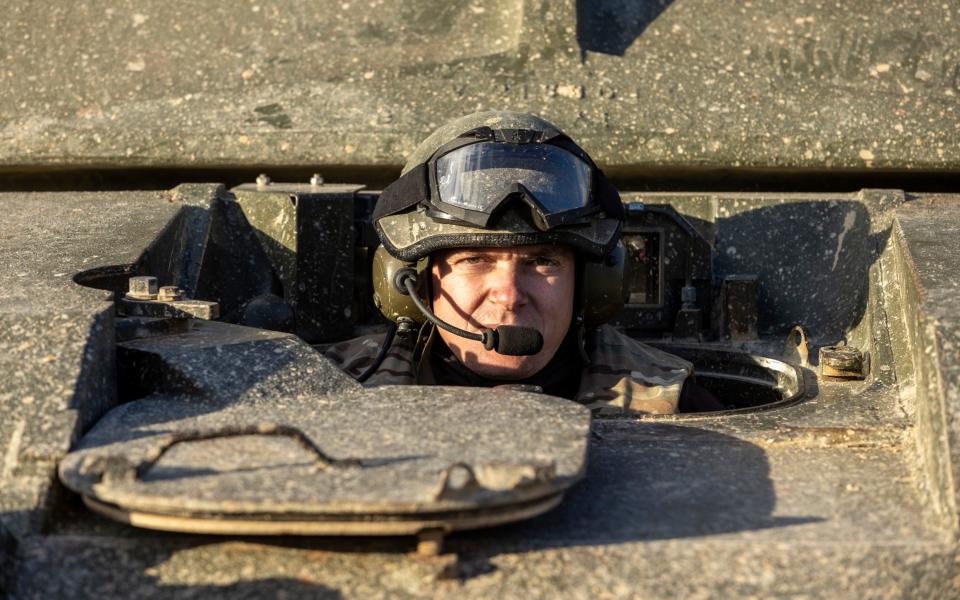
404 193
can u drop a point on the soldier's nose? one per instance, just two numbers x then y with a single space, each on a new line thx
506 289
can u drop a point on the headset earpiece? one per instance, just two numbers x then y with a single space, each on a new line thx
395 305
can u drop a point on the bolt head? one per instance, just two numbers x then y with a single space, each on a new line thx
316 180
843 361
263 180
142 288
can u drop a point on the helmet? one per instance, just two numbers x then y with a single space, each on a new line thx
498 179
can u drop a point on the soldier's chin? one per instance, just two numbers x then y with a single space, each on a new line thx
499 366
494 365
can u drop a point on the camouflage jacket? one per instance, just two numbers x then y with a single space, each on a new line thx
619 375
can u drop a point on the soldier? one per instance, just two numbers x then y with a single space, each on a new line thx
511 234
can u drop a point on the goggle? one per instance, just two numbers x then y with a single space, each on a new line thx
474 181
470 179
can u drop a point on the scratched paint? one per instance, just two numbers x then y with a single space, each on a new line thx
848 222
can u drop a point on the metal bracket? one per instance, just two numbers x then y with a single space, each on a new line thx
144 299
796 349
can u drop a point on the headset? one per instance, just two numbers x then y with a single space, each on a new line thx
601 290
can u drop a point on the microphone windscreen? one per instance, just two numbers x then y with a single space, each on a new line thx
514 340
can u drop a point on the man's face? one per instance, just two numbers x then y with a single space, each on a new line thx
478 288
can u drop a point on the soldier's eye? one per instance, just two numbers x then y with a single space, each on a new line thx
546 261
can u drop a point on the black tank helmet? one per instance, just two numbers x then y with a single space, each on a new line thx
500 179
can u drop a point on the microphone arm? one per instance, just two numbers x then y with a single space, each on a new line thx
511 340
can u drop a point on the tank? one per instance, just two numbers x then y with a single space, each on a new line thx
186 195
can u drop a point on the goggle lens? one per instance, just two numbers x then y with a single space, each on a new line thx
479 176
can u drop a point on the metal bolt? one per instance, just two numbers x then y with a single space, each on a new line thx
169 293
143 287
263 180
316 180
844 361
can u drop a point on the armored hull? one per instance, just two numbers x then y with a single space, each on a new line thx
795 164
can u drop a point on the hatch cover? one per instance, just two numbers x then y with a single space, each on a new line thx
385 461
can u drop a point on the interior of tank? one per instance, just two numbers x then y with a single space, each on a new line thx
748 288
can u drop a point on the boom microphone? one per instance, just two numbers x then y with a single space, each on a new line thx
510 340
514 340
